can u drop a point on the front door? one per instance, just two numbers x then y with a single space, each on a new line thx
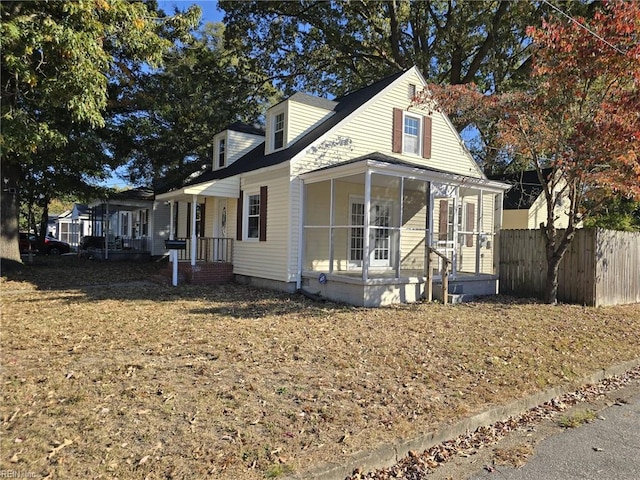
220 231
380 244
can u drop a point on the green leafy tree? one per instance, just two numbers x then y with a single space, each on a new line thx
165 122
58 59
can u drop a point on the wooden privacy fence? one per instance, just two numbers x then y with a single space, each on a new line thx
601 267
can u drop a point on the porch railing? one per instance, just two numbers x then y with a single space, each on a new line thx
446 267
208 249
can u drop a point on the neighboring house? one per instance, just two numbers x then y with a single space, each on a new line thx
74 224
344 198
525 206
131 222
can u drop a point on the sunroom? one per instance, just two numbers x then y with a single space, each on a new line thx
376 230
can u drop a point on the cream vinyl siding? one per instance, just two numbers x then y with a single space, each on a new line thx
412 241
267 259
239 144
209 214
487 252
302 119
371 130
515 219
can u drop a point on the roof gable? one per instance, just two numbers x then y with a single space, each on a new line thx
256 158
526 188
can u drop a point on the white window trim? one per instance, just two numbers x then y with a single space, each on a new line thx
420 133
245 216
272 125
224 160
216 151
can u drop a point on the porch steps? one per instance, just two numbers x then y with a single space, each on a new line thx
456 294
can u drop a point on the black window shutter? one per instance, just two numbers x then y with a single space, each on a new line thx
202 219
239 218
189 220
263 214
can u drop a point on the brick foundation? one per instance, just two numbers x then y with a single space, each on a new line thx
203 273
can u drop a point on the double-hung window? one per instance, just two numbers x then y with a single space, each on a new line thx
411 137
253 216
221 152
278 131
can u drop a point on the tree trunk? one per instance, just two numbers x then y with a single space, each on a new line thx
9 246
551 290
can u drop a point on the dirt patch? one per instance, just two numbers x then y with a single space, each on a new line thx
142 380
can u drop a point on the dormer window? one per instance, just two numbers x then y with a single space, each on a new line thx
278 131
221 152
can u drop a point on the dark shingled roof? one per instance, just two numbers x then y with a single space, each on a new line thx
526 188
139 193
256 158
244 128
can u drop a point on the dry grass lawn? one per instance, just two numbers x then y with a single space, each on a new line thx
102 379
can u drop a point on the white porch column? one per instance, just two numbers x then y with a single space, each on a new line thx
479 216
331 223
367 220
173 254
194 238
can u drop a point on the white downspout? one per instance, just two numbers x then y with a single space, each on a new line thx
300 233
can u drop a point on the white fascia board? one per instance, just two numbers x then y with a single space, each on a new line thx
406 171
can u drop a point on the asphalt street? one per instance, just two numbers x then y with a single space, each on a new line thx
606 449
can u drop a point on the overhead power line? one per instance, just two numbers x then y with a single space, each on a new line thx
585 27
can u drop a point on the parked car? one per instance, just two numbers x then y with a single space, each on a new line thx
53 246
26 240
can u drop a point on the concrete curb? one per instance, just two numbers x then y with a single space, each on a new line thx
389 454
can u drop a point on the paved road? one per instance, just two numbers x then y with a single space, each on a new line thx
606 449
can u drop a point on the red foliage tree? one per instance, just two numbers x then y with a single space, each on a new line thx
579 115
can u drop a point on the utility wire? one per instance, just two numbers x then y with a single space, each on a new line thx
585 27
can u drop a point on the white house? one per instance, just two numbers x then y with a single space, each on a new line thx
525 205
73 224
130 223
344 199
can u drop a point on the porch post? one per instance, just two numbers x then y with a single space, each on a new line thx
331 223
480 214
367 219
398 241
194 239
173 254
